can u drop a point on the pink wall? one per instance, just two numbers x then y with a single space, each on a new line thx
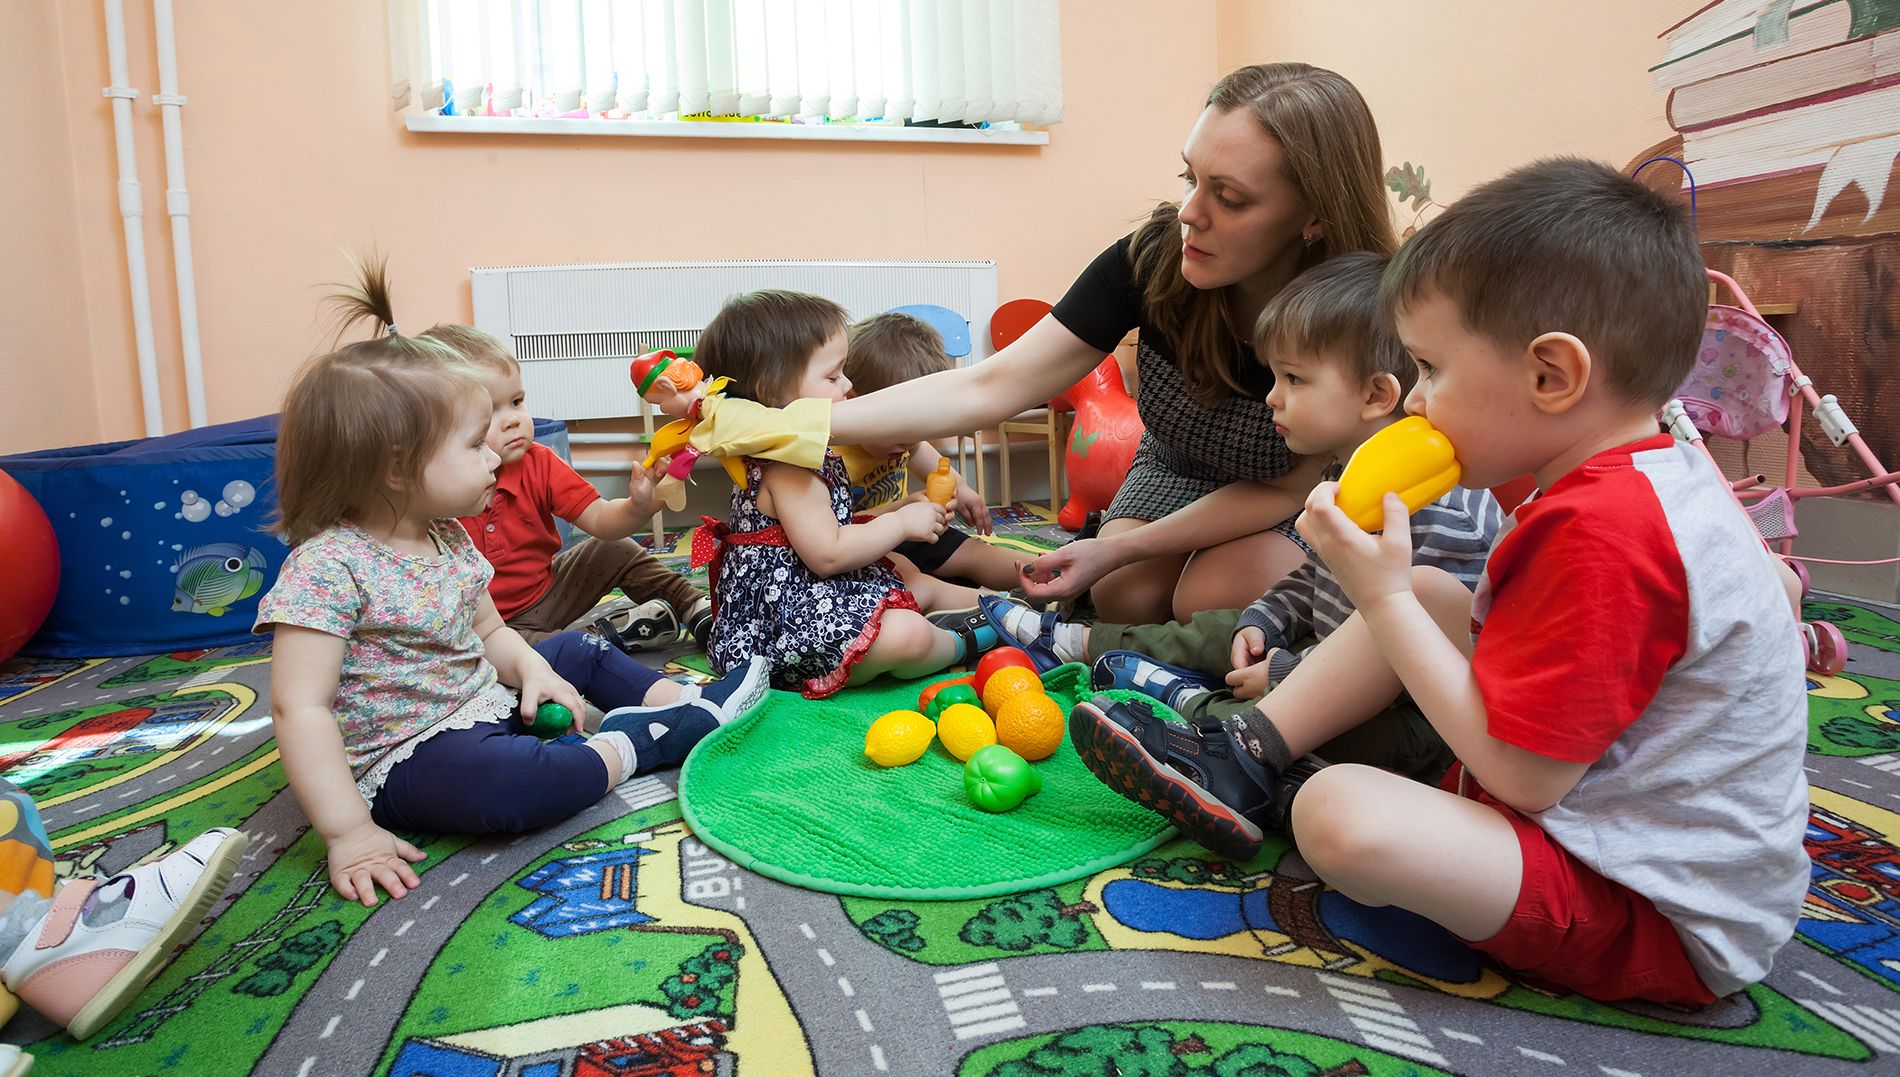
293 155
46 377
1474 88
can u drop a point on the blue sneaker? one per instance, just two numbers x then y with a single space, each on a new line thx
1042 649
1196 775
662 736
1133 671
734 695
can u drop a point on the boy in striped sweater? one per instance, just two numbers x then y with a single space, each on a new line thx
1340 376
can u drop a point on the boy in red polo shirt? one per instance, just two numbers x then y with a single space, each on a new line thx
540 589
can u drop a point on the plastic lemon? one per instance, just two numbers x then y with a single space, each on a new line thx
1008 683
898 738
964 729
1031 726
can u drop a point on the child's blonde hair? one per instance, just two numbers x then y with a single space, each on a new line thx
761 340
364 413
890 349
482 349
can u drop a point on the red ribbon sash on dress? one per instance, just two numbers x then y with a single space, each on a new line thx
710 540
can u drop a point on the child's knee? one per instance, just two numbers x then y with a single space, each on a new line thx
904 634
1337 816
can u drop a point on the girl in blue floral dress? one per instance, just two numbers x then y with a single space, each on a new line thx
793 576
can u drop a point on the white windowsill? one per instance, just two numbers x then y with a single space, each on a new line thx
506 125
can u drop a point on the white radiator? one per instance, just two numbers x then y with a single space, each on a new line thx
575 327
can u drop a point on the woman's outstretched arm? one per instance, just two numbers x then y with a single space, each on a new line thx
1041 363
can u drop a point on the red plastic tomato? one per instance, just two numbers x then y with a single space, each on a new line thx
1001 658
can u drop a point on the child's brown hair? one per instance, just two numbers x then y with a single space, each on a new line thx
762 340
364 413
1567 245
890 349
482 349
1332 311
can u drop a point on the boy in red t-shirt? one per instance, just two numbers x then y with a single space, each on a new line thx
538 588
1624 692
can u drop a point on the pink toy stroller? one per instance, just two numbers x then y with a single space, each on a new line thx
1741 386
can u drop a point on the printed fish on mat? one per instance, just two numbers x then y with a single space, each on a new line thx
212 578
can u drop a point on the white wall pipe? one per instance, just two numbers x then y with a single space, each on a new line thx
171 105
130 212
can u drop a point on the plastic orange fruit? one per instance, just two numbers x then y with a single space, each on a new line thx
1031 726
1008 683
898 738
1000 658
963 729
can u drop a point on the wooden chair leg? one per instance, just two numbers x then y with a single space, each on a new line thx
1055 462
1002 463
982 489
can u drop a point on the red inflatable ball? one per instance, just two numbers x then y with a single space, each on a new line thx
32 576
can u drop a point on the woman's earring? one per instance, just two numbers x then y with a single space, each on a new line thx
1309 238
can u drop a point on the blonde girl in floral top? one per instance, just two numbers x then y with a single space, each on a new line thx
393 680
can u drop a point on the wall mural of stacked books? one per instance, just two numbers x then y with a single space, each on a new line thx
1788 114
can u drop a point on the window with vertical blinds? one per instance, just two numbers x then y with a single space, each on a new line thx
874 62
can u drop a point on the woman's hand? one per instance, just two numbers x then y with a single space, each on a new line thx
972 509
1069 570
366 857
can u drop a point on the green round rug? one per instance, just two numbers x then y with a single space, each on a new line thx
787 792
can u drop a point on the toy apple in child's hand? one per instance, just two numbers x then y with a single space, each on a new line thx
1409 458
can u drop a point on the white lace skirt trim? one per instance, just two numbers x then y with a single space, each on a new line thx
496 703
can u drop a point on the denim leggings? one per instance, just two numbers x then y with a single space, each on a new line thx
494 779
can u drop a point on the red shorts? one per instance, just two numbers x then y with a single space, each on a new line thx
1578 930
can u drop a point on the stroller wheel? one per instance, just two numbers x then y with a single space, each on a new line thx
1827 648
1800 571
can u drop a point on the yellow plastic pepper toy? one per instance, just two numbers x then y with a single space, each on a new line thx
1409 458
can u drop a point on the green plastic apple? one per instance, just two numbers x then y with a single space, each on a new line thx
997 779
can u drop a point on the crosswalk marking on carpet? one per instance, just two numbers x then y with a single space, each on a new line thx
643 793
1380 1019
977 1001
1880 1028
1888 761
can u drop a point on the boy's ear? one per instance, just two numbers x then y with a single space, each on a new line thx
1560 369
1383 396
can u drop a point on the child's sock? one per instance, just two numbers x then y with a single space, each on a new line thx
1256 733
1068 641
22 915
973 631
661 736
624 747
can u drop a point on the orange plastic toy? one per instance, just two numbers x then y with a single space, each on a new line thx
1410 458
999 658
1009 683
941 486
1030 725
